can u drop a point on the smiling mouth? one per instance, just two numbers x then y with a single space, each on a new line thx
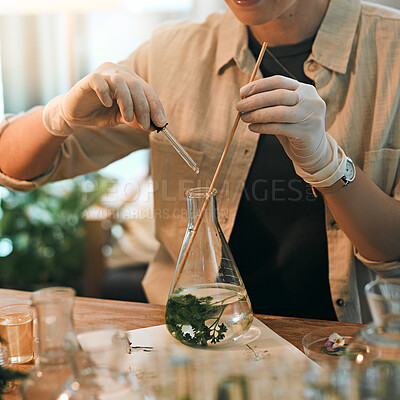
246 2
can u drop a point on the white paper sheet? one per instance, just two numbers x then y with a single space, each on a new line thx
259 343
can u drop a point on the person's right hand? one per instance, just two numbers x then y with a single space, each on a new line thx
111 95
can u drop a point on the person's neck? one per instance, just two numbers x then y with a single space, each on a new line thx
297 24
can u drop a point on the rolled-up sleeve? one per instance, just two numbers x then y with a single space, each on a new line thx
384 270
88 149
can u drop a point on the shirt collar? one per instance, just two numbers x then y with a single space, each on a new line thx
332 46
233 44
335 37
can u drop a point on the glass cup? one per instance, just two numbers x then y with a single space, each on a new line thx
16 329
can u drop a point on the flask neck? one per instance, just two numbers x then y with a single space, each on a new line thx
54 317
390 324
195 201
384 302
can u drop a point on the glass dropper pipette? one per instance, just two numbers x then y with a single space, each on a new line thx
178 147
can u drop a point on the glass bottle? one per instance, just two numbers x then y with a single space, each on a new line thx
96 355
208 305
370 368
54 320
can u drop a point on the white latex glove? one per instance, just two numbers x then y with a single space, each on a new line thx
111 95
295 113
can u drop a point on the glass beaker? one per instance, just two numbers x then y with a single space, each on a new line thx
54 320
372 359
208 305
16 329
95 355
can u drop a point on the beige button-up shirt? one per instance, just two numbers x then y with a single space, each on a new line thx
197 70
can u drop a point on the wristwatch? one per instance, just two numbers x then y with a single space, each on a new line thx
348 177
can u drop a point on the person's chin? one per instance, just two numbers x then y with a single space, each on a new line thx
248 12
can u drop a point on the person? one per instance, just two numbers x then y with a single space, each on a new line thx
323 117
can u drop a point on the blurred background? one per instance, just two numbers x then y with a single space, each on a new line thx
94 233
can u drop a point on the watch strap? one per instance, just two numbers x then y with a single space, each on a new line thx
331 189
343 181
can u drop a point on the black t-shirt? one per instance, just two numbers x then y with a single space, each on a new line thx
279 238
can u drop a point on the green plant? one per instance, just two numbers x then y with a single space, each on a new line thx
188 310
42 233
8 376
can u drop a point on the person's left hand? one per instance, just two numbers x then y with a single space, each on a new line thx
292 111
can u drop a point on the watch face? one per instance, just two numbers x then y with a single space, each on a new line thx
350 170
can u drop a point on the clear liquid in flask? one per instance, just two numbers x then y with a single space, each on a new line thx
208 314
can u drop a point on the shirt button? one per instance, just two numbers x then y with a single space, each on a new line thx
340 302
246 151
334 225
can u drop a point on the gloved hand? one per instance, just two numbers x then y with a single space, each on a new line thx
111 95
295 113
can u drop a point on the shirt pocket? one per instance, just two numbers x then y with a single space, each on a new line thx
382 166
171 178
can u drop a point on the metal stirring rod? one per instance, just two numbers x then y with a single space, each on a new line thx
178 147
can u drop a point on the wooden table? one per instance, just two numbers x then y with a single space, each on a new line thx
128 315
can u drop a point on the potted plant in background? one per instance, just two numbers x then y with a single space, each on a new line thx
42 233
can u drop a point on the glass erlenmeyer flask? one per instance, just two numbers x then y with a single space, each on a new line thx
54 316
208 305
